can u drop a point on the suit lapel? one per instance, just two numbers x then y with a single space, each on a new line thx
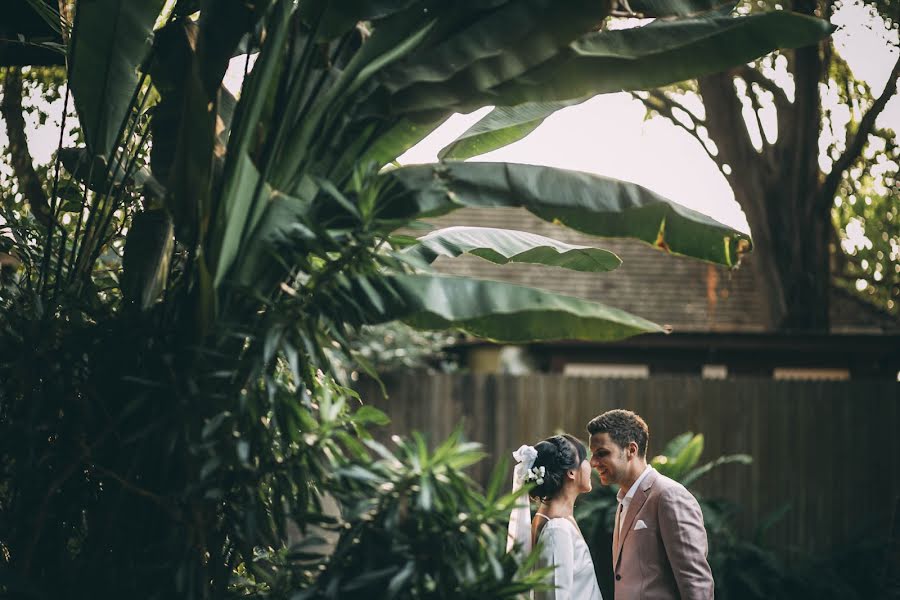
637 502
616 537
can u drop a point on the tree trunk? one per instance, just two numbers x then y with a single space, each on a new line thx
19 155
780 189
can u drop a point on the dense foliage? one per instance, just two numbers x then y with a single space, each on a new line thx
175 287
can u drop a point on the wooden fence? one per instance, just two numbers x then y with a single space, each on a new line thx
829 449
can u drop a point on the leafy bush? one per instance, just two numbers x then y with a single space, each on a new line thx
743 568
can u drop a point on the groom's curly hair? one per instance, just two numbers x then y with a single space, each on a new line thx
623 426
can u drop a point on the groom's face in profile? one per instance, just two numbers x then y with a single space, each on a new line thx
607 458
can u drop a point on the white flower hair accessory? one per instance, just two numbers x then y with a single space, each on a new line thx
526 456
536 474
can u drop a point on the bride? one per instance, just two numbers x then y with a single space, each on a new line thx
558 471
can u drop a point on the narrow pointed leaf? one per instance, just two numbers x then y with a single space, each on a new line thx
109 42
236 201
503 246
589 203
497 311
502 126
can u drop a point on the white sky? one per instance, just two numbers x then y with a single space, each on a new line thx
608 135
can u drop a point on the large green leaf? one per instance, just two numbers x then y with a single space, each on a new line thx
399 138
503 246
108 43
500 47
492 310
333 19
664 52
694 474
145 264
499 44
386 46
589 203
501 127
674 8
660 53
238 207
235 217
282 223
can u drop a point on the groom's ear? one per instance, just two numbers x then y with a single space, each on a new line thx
632 449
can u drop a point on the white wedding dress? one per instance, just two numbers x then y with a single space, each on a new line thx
562 546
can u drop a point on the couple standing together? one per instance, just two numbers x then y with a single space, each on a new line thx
659 541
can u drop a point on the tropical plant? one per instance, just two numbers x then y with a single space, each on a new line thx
797 136
164 415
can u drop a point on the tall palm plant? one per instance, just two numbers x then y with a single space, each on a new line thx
167 417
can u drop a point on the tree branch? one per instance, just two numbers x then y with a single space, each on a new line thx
857 141
756 105
20 156
666 108
672 103
751 75
728 129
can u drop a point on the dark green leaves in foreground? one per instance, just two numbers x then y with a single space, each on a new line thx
657 54
664 52
492 310
148 248
503 246
589 203
416 526
109 41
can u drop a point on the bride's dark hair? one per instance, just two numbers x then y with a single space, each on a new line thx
557 455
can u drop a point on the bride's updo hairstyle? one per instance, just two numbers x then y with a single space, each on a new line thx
557 455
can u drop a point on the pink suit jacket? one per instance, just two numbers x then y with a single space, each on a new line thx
665 557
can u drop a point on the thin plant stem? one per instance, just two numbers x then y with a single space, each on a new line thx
113 206
90 227
54 197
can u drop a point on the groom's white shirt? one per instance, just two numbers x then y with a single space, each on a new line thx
625 501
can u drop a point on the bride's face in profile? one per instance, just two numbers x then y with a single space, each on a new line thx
583 477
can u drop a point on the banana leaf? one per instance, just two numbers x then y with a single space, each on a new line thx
491 310
663 52
108 43
501 127
502 246
589 203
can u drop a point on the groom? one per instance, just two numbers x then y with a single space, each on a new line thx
659 542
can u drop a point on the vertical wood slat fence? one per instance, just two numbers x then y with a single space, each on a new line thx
829 449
